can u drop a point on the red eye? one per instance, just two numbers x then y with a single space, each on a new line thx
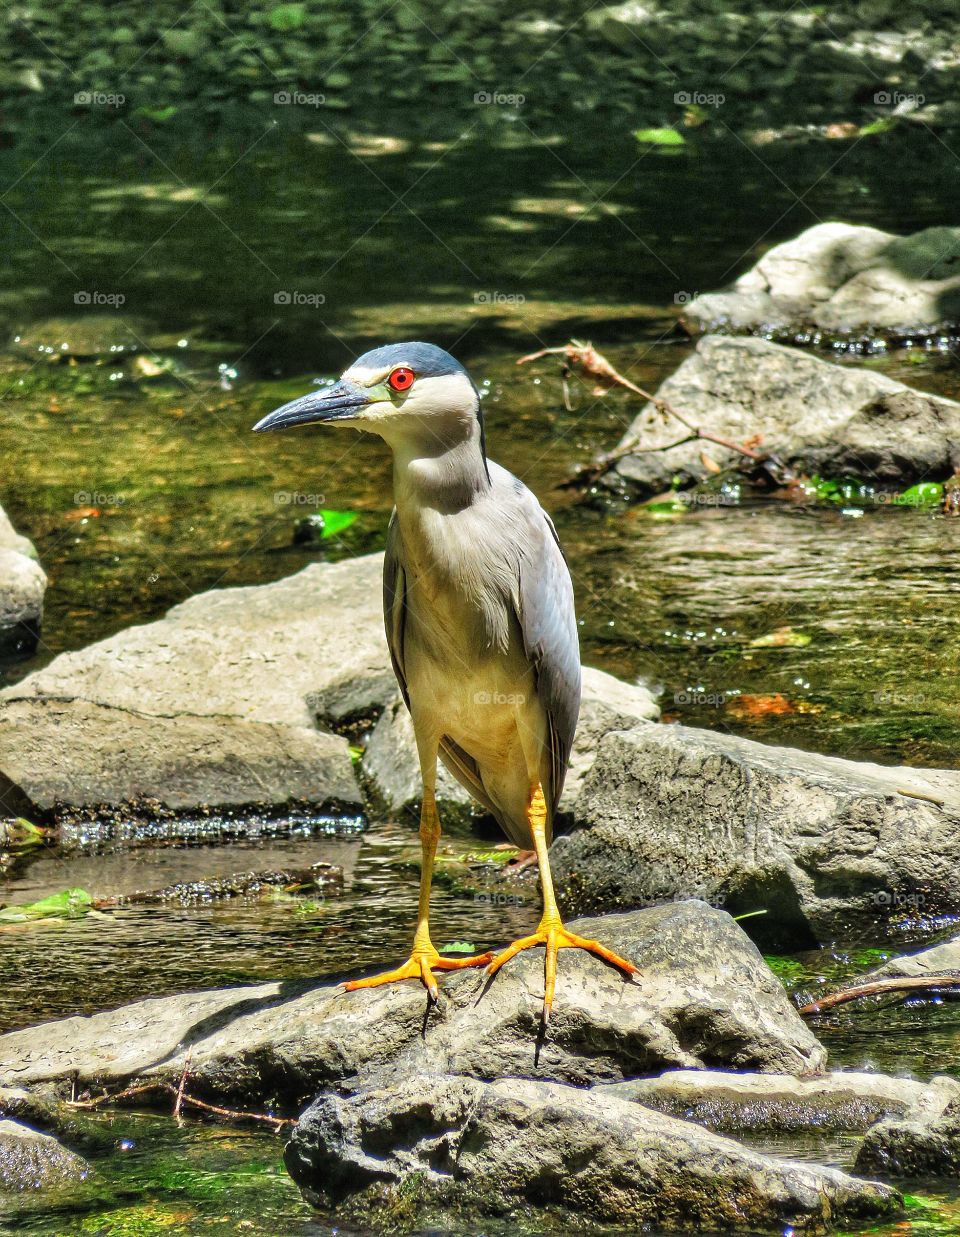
401 379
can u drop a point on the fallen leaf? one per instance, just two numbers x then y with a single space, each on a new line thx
752 707
782 638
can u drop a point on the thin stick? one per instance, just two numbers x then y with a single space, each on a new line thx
877 987
916 794
180 1090
181 1097
597 366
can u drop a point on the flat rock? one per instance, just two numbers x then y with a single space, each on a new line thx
31 1161
736 1102
306 649
840 277
23 583
706 999
814 416
502 1147
217 704
937 960
83 756
390 761
816 842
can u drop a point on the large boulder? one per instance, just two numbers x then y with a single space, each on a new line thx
87 758
226 701
391 765
399 1152
814 416
839 278
816 842
304 650
705 999
22 585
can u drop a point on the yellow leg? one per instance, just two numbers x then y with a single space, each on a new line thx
424 958
550 932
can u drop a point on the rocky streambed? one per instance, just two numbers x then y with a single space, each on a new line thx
664 1102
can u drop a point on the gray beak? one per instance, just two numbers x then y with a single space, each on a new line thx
341 402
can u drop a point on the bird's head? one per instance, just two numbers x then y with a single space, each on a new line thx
411 393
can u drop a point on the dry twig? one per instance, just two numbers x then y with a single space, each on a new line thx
593 364
181 1097
877 987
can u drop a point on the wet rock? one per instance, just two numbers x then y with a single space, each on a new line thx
87 337
391 764
840 277
215 704
924 1142
815 841
814 416
938 960
31 1161
706 999
321 878
736 1102
478 1148
22 585
88 756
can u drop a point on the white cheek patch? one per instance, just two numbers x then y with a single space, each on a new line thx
363 376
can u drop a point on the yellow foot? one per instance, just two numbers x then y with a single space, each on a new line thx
555 937
420 965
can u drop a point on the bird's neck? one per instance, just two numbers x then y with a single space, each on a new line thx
441 468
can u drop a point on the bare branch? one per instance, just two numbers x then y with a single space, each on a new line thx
877 987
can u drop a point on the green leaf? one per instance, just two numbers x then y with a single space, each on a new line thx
287 17
459 947
926 494
356 753
67 904
782 638
336 521
660 137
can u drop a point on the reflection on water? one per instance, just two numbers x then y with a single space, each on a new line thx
106 958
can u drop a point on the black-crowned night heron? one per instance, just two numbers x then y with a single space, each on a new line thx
480 621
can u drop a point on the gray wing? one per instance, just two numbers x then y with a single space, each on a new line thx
545 610
462 765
